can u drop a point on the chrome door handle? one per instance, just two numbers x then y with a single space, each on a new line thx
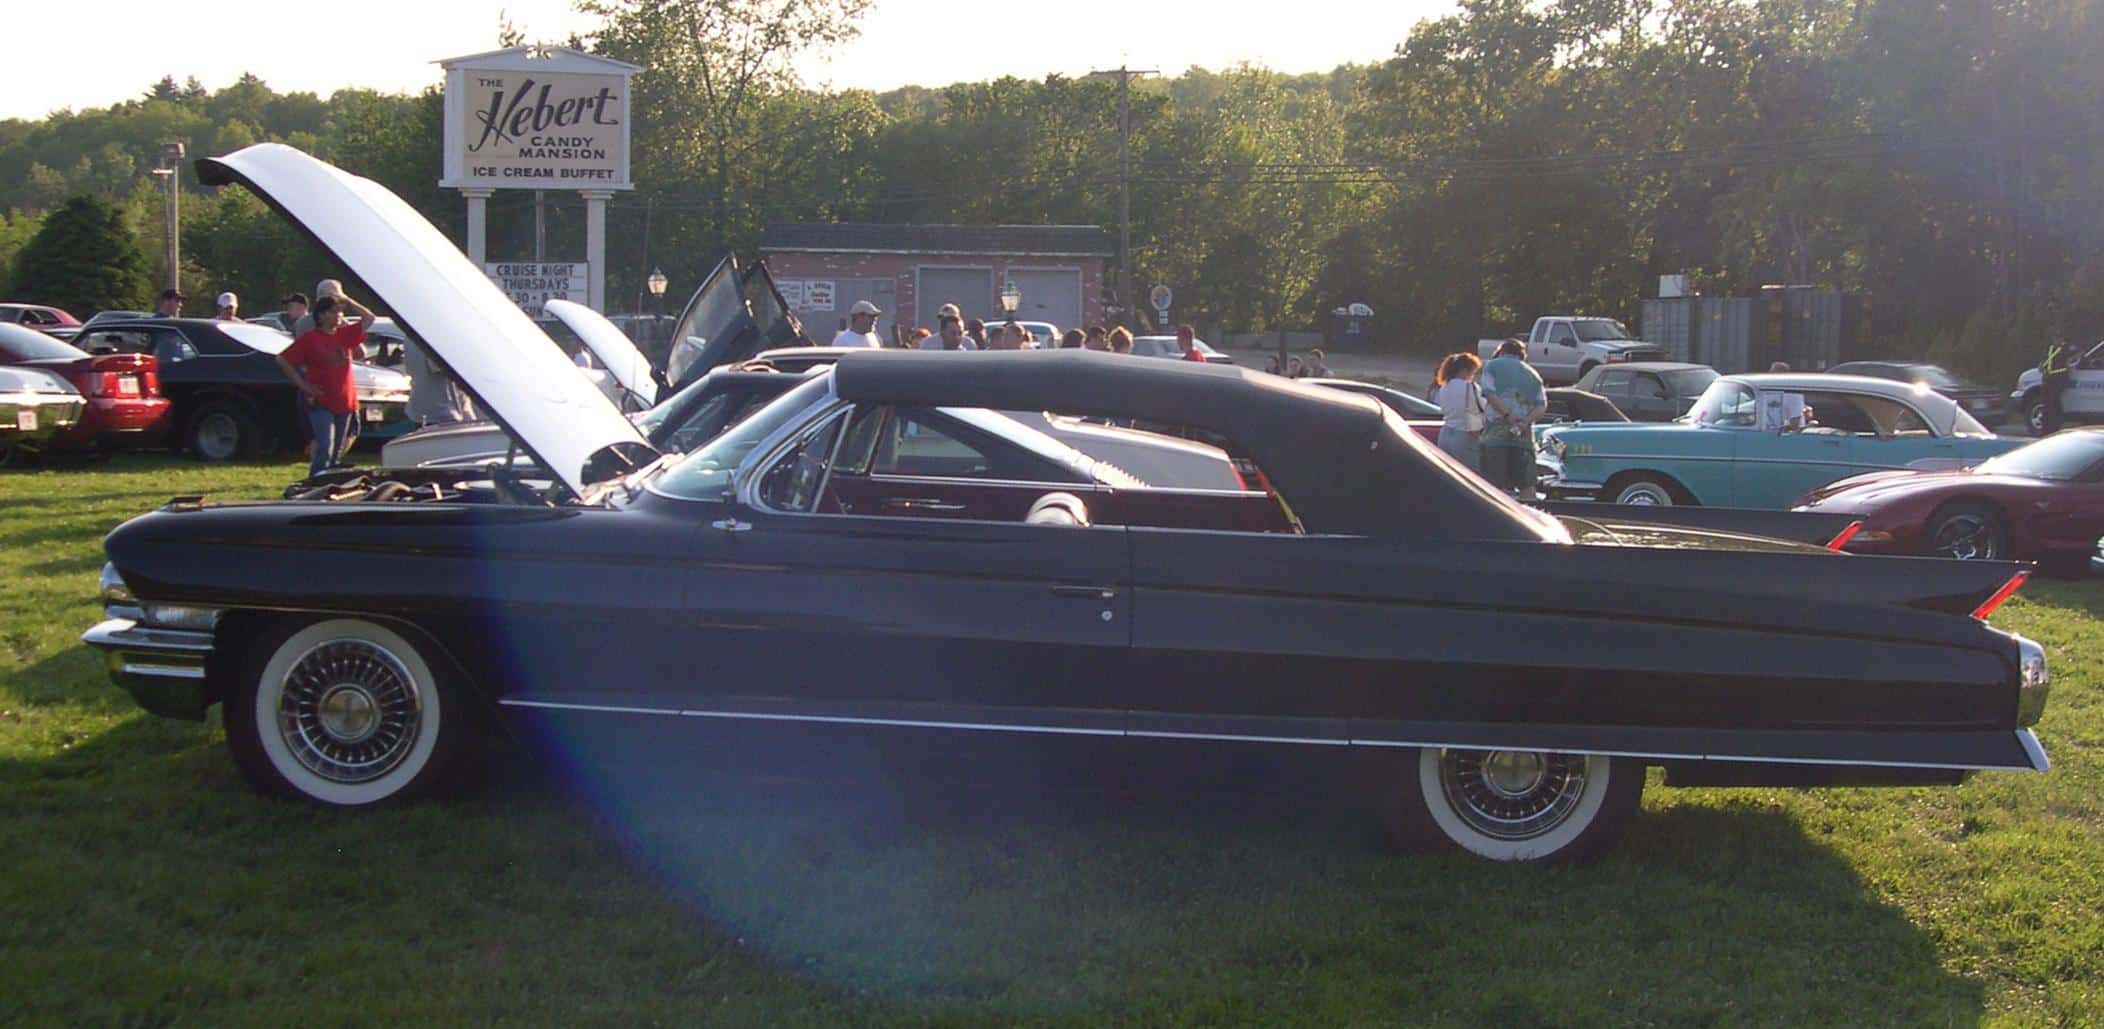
1085 592
921 504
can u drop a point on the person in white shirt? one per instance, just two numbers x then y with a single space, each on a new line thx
861 328
951 337
1460 403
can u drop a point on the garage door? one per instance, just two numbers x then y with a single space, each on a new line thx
971 289
1049 295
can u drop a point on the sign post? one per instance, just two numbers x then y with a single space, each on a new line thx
539 118
1161 297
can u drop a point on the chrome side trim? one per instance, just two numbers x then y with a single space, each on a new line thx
2029 742
164 671
126 634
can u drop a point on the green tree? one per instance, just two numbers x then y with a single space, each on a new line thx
84 258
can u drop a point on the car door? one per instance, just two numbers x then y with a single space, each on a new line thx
2085 392
1613 383
1561 353
1775 463
899 618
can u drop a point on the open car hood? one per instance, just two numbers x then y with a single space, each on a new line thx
614 350
510 367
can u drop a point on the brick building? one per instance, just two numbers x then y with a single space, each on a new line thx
911 270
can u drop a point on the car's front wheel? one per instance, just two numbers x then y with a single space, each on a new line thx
1645 491
1967 531
2035 412
342 712
1516 805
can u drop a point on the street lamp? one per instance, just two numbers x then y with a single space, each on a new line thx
1011 298
656 283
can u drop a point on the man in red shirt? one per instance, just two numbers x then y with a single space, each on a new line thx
319 363
1187 338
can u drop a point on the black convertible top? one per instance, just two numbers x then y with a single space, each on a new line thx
1329 452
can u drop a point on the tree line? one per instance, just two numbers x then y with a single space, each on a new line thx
1514 158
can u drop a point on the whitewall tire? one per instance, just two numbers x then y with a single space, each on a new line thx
342 712
1516 805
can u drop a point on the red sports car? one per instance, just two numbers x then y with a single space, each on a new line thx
125 405
2042 502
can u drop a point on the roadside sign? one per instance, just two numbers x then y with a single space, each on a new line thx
531 284
1161 297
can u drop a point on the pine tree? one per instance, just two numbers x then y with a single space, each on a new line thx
84 259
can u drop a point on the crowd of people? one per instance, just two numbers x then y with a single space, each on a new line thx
1487 414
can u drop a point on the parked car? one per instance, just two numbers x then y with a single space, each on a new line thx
1043 335
2041 502
2083 400
1167 346
229 397
1570 404
106 317
122 392
1983 402
850 559
1740 446
1649 391
1563 348
1396 400
35 405
50 321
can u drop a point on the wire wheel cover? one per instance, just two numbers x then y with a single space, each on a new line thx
349 711
1513 794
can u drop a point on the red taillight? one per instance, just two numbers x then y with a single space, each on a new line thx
150 383
1841 538
2008 590
109 384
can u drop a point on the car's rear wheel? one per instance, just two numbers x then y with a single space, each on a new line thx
221 432
1967 531
342 712
1646 491
1516 805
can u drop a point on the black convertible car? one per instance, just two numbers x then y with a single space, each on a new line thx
860 554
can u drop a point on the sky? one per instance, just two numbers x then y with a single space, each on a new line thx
389 44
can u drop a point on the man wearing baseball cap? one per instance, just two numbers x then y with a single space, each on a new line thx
229 307
324 288
170 304
862 326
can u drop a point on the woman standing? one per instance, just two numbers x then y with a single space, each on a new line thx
1460 403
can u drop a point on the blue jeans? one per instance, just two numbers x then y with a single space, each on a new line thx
332 436
1464 446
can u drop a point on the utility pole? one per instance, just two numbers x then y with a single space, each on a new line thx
170 172
1124 76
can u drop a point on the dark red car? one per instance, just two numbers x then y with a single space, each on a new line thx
125 405
41 318
2042 502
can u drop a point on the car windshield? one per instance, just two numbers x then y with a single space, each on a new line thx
1690 382
706 473
1591 329
31 345
2060 458
1725 403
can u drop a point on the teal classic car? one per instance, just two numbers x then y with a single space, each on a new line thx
1763 440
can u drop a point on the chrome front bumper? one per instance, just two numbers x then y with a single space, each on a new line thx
162 669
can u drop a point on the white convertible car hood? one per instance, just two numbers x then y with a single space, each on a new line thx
615 351
513 370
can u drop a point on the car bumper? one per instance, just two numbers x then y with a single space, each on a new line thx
162 669
1553 484
115 422
383 419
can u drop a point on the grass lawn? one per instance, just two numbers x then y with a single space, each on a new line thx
142 883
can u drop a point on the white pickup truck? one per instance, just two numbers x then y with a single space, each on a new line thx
1563 348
